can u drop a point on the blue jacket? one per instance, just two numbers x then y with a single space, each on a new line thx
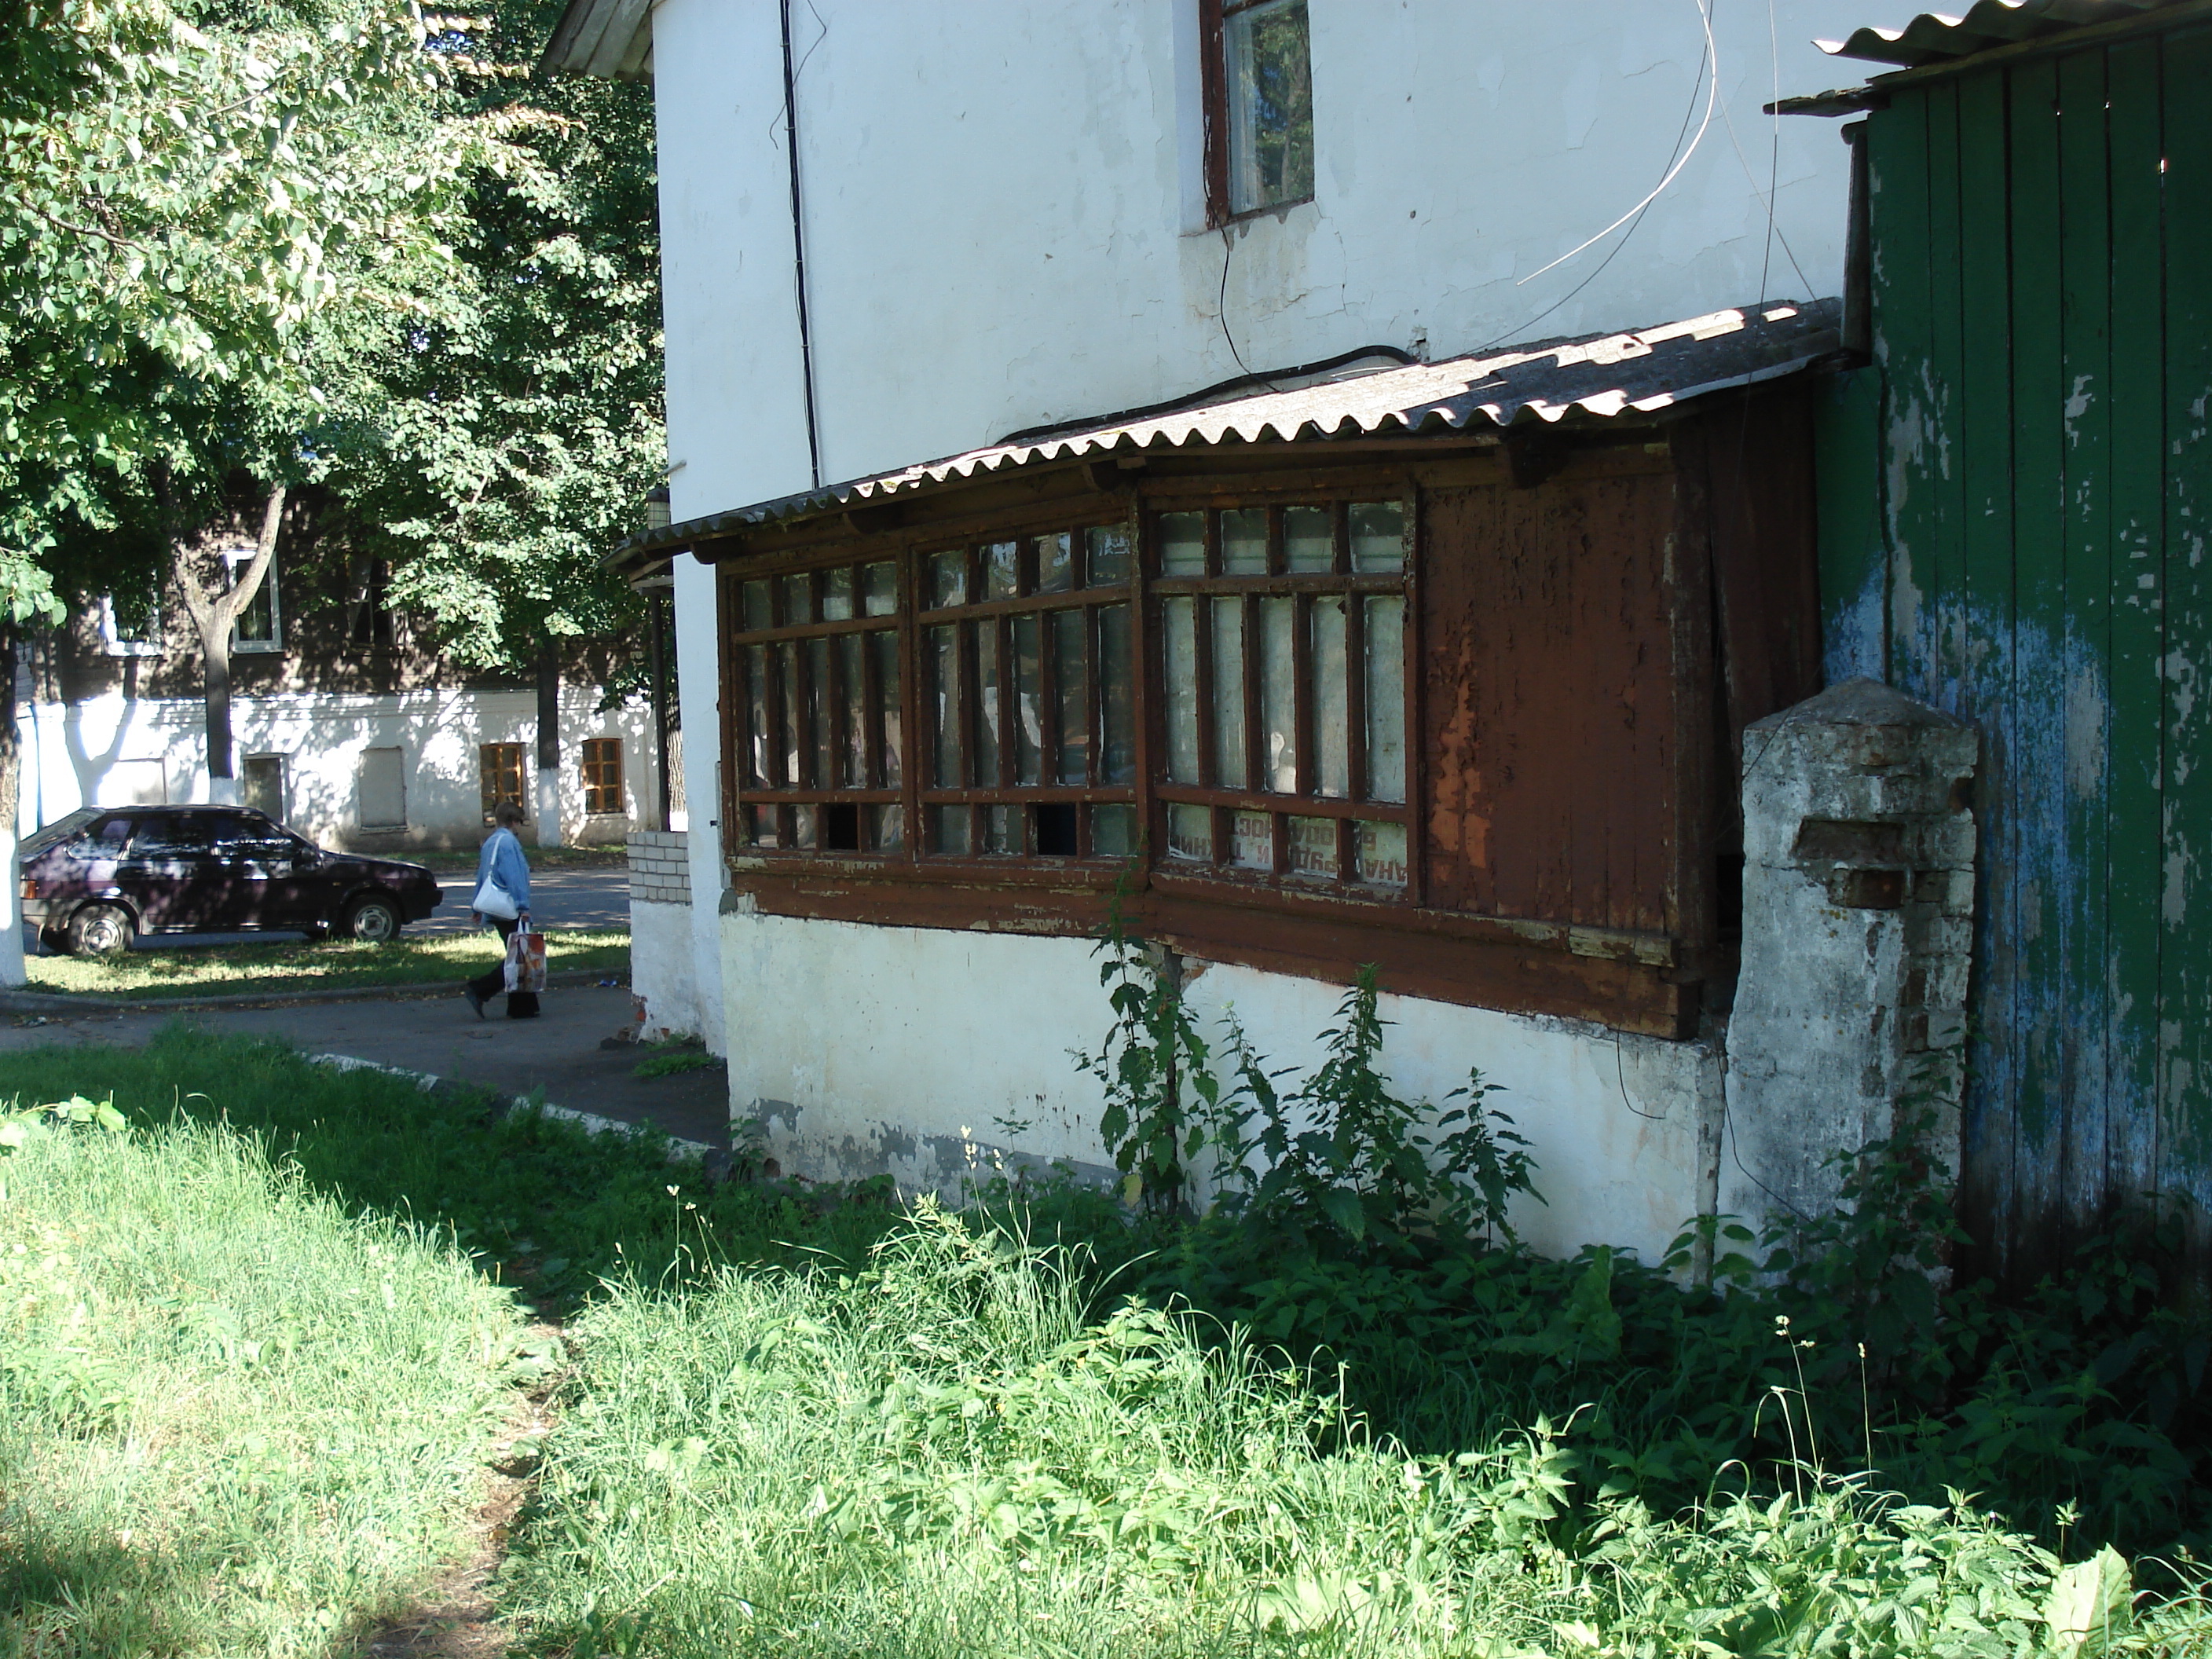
502 860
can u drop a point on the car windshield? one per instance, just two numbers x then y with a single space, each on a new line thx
54 834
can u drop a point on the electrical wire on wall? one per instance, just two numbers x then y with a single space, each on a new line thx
798 241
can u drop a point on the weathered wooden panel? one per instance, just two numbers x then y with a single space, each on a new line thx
1550 731
2043 241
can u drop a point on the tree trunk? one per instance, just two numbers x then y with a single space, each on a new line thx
548 750
214 616
11 774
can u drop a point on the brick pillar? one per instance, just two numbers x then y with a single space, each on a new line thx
1858 906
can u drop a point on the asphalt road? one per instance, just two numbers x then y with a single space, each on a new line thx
559 899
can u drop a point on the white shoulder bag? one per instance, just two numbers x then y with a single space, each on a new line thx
493 899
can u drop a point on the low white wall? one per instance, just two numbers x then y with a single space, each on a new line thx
114 750
911 1050
661 974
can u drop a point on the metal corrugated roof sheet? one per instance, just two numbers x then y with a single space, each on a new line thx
602 37
1935 37
1598 377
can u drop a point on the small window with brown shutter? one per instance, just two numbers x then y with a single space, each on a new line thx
603 777
499 766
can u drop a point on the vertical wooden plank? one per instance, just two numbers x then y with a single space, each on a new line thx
1904 346
2136 774
1988 1116
2038 852
2086 306
2185 1010
1943 555
1854 564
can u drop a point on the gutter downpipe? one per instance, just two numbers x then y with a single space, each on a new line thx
799 250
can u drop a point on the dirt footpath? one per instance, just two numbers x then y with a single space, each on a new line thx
559 1051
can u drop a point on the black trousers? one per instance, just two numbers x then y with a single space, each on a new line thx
521 1005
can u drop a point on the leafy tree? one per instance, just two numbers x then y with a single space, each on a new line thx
494 452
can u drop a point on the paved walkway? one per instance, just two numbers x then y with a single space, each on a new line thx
559 1053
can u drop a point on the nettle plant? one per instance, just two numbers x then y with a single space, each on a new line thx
1339 1160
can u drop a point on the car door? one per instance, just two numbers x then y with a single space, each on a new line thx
166 873
250 879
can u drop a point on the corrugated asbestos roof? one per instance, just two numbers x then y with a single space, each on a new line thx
602 37
1935 37
1599 377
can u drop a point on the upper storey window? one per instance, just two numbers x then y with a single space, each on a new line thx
1260 141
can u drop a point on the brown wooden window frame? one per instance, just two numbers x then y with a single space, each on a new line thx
998 609
600 769
1213 18
496 763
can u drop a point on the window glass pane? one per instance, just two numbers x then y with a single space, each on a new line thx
1313 846
1117 719
1108 562
1229 765
797 601
1252 841
1029 714
1279 697
1113 831
1307 549
787 666
1002 830
1244 542
820 716
1182 543
1180 617
879 589
987 699
1378 536
803 820
886 827
1052 828
853 715
1071 671
1332 717
1056 563
1002 566
941 652
837 594
758 757
1271 146
948 829
948 579
1382 853
1190 832
887 694
758 610
1385 630
763 826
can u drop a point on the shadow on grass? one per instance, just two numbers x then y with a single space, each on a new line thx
543 1204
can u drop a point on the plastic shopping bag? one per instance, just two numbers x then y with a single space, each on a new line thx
526 961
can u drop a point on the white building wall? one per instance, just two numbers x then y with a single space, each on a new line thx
115 750
1003 219
929 1054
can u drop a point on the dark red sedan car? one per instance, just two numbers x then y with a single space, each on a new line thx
96 879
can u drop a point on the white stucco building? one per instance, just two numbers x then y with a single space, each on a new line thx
897 230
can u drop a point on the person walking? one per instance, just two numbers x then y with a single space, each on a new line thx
502 863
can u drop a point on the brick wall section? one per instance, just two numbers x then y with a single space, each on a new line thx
1858 916
659 866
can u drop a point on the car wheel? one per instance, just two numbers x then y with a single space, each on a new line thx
100 930
372 921
55 939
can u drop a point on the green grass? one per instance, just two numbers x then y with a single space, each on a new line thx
234 1418
805 1422
293 966
958 1452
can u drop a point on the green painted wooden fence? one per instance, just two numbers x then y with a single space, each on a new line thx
2016 498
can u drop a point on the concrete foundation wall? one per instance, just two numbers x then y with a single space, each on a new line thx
114 752
933 1055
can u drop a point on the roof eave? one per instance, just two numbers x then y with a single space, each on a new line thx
608 38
